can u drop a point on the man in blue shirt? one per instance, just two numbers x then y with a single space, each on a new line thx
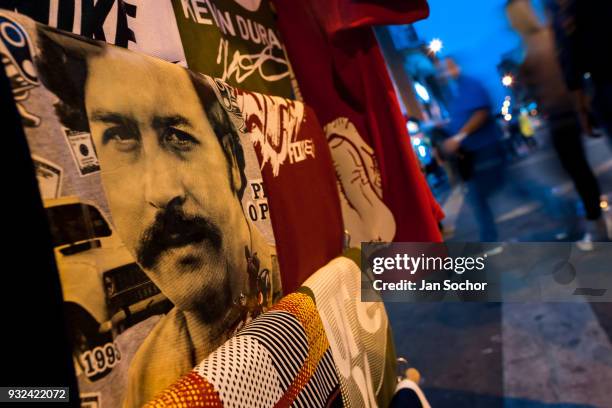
475 141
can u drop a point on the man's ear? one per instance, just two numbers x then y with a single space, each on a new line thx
234 170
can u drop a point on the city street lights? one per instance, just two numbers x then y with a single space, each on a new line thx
435 45
507 80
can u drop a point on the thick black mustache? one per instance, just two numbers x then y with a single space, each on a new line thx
173 228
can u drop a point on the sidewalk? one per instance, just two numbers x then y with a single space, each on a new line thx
514 355
511 355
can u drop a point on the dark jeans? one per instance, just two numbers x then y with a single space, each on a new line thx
602 104
566 136
487 177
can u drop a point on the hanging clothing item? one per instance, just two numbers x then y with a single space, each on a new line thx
161 208
139 25
343 76
358 332
318 347
236 41
281 359
298 180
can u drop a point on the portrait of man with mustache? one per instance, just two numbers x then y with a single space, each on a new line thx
173 170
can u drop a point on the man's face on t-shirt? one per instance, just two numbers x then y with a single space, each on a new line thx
169 184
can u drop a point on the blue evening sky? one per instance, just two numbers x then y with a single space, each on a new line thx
476 33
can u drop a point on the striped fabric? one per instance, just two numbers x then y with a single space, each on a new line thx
280 359
322 385
318 347
286 359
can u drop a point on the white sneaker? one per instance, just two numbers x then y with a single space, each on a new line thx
585 243
595 231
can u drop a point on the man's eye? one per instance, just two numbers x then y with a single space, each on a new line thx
121 138
179 140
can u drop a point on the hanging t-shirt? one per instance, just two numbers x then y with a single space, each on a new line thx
318 347
298 177
140 25
148 206
162 214
236 41
342 75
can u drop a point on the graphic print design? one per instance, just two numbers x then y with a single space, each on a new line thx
366 216
83 151
129 335
49 176
242 66
243 45
357 331
140 25
16 55
273 124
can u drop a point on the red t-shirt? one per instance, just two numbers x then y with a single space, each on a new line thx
299 182
343 77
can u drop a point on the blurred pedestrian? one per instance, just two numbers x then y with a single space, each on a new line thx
475 141
541 75
526 129
582 32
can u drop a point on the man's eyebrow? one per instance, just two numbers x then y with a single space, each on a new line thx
107 116
162 122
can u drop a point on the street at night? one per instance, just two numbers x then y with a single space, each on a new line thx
515 354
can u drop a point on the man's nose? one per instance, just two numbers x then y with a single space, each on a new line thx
163 183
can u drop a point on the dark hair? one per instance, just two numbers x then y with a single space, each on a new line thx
62 68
